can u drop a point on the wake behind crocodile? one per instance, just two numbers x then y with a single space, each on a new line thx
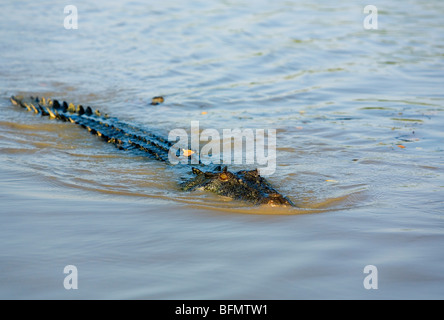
244 185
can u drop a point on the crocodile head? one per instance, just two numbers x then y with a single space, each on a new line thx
242 185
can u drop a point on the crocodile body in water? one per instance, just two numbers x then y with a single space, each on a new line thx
242 185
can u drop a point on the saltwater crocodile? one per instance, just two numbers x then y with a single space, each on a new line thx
245 185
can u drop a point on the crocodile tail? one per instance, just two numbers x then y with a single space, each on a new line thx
51 108
111 130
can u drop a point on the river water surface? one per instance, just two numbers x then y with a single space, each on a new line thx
359 117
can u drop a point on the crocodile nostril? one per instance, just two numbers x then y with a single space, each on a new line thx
273 202
276 199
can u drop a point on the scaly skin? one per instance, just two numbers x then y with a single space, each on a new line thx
246 186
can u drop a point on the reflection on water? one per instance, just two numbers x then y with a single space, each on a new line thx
358 115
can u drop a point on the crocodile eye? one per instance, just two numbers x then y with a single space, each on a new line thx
223 176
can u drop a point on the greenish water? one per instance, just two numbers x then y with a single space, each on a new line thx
359 117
